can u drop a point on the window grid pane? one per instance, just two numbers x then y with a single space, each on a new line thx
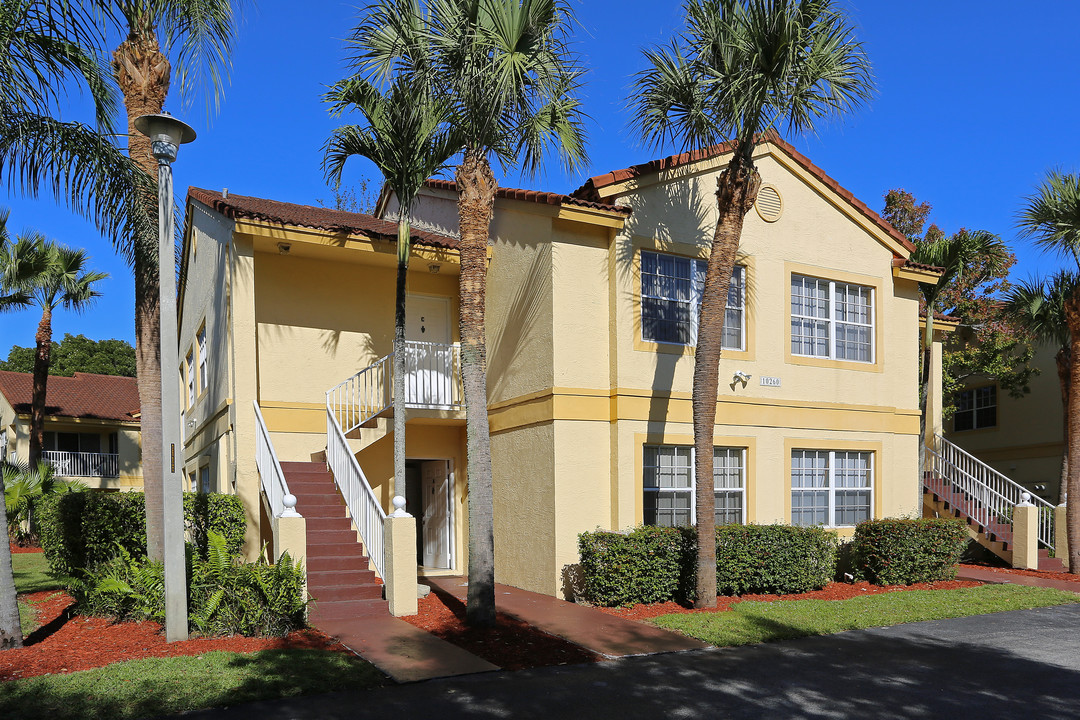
839 483
669 489
671 288
831 319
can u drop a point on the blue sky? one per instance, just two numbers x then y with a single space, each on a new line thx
976 100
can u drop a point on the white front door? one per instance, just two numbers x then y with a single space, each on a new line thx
429 358
435 486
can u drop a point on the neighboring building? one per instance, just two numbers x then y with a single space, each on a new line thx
91 427
591 323
1022 438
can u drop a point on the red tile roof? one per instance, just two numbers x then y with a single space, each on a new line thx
590 190
99 397
242 206
940 317
538 196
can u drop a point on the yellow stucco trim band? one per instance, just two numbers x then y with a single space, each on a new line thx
591 216
84 421
908 273
360 243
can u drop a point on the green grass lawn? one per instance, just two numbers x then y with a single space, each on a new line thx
754 622
163 686
32 573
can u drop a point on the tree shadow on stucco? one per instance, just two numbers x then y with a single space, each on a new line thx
507 344
678 214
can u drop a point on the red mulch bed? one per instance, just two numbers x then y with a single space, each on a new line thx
67 643
1063 576
832 591
511 644
23 549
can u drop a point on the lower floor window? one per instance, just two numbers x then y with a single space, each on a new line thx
669 485
831 487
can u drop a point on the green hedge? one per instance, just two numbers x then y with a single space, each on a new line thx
80 530
226 596
903 552
654 564
773 559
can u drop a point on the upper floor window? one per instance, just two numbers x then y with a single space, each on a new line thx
201 342
976 408
669 485
832 319
830 487
671 288
189 378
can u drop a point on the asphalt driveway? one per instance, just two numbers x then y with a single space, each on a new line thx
1023 664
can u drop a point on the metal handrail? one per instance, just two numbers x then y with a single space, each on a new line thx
274 485
363 396
82 464
364 508
990 496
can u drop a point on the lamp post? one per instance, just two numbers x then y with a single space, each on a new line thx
166 134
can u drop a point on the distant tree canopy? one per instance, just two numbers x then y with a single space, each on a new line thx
78 353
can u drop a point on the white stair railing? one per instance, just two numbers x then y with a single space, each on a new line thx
364 508
981 492
363 396
274 486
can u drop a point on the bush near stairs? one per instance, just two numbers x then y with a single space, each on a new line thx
898 551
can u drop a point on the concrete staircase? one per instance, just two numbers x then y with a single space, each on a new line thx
339 580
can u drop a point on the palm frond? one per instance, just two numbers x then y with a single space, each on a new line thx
1051 216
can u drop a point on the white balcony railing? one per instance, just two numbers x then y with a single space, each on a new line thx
83 464
432 381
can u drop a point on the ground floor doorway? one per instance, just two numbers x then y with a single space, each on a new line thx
428 492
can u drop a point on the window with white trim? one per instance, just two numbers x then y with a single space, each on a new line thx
671 287
189 376
832 319
976 408
834 488
204 479
669 485
200 340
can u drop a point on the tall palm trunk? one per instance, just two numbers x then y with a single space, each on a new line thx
1072 514
736 190
927 347
1063 359
399 355
10 629
142 72
476 203
43 350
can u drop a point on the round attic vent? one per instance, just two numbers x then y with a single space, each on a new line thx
770 206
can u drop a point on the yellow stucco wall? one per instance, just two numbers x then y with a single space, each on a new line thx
1028 440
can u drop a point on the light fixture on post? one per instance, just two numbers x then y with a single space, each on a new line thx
166 134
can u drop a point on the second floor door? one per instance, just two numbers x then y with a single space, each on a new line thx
429 361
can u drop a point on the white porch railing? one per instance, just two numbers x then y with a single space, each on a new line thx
367 514
274 487
981 492
432 372
83 464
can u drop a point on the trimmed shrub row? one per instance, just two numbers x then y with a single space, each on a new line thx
654 564
903 552
81 530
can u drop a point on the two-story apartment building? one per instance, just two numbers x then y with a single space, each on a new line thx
91 427
592 313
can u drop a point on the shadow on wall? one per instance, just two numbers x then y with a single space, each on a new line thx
507 345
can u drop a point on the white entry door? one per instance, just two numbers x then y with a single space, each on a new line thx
435 486
429 357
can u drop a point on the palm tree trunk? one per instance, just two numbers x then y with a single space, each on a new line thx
142 72
43 340
399 356
10 629
1072 514
924 391
1063 359
476 204
736 190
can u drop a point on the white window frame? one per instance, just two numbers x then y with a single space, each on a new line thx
200 340
189 377
832 488
697 268
976 407
204 479
832 319
690 491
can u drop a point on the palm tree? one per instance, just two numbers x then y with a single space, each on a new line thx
504 70
739 69
1038 306
1051 216
405 136
198 35
51 275
957 256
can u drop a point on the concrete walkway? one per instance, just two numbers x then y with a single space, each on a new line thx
585 626
999 577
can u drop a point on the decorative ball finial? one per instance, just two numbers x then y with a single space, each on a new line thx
289 501
399 507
